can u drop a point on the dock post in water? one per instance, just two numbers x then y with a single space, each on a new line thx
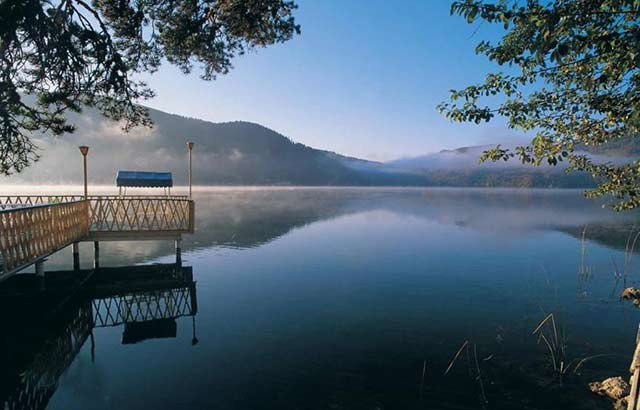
76 256
179 251
40 268
96 254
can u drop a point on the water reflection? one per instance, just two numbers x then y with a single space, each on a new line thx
43 330
359 299
246 218
242 218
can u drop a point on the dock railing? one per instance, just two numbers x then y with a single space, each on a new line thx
140 214
28 233
34 226
121 213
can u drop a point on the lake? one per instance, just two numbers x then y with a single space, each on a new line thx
341 298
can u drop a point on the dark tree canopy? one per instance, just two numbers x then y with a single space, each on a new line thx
576 84
75 53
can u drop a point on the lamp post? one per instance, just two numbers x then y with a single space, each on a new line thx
190 146
84 150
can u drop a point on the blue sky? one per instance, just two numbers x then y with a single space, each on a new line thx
362 79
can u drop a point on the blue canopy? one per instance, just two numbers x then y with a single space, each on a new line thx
144 179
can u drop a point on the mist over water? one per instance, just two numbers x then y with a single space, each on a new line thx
312 298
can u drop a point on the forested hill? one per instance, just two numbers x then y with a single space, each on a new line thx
225 153
243 153
628 147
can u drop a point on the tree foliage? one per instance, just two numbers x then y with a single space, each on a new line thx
75 53
572 79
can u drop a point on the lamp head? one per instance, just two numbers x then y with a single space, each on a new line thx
190 145
84 150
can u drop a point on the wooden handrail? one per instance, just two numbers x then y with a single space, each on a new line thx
22 207
41 199
30 233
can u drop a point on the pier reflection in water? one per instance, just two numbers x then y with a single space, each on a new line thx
44 329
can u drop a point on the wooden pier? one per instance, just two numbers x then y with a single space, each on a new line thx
34 227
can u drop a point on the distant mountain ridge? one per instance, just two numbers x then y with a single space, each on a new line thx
461 167
233 153
244 153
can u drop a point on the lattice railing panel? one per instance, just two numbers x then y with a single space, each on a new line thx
34 231
140 214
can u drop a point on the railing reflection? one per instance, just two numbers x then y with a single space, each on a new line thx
147 300
142 307
39 381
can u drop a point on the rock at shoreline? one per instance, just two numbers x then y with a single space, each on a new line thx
632 294
616 388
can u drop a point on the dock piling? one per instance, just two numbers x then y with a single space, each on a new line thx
39 265
96 254
76 256
40 268
179 251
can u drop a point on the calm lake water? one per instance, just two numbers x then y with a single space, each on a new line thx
348 299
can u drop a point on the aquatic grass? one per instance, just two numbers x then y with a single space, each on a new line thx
479 376
585 272
583 248
629 249
424 371
617 274
455 357
588 358
550 333
476 366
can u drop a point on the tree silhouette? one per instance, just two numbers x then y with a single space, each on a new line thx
577 74
75 53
